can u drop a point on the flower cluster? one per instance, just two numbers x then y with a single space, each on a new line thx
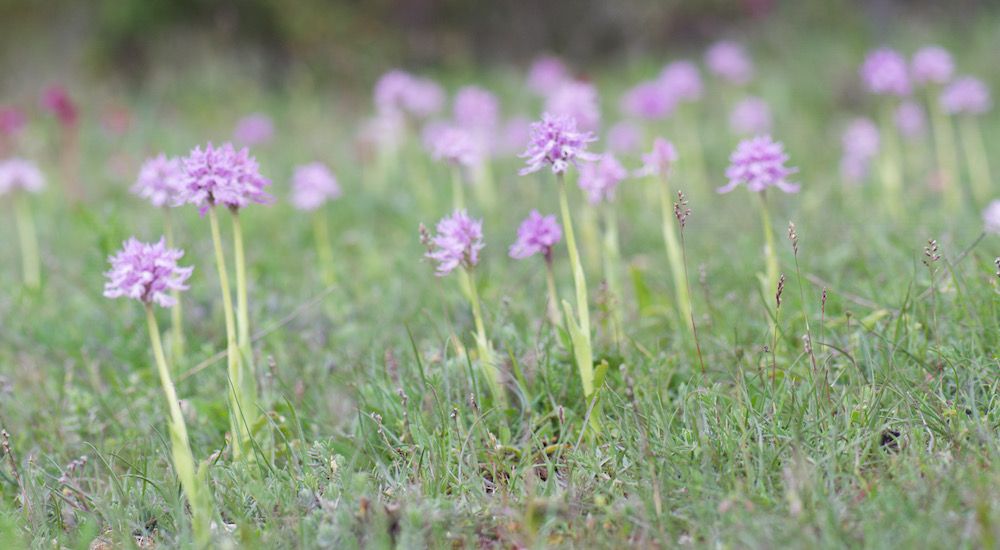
966 95
577 100
17 173
254 129
729 61
12 121
457 243
146 272
402 92
759 163
860 143
658 161
649 100
223 176
885 72
452 144
556 141
312 185
161 181
547 74
56 100
751 116
476 109
910 119
932 65
624 137
600 179
682 81
537 234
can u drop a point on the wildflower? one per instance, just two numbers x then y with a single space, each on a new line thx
861 139
966 95
20 174
759 163
729 60
476 109
751 116
932 65
659 161
682 81
577 100
453 144
600 179
648 100
312 185
457 243
624 137
547 74
514 135
223 176
910 119
991 217
146 272
885 72
537 234
56 100
402 92
556 141
161 181
254 129
12 121
384 131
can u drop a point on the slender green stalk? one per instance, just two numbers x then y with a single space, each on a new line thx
590 235
485 186
240 433
487 359
674 256
975 157
612 259
248 388
770 252
176 313
30 267
944 148
457 188
889 164
183 459
552 307
579 324
324 251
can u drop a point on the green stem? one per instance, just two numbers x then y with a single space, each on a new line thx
29 241
552 307
770 252
324 251
944 147
674 256
612 258
239 433
176 313
975 156
457 188
248 389
183 458
695 156
485 186
889 164
583 352
487 360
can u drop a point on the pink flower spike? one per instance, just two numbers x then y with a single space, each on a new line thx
56 100
223 176
577 100
600 179
966 95
20 174
313 185
751 116
537 234
161 181
682 81
730 61
759 163
556 141
457 243
12 121
885 72
146 272
932 65
659 161
252 130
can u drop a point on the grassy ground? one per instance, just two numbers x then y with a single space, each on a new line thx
378 433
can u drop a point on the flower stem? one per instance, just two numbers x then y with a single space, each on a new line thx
29 241
770 252
183 459
944 148
457 188
975 156
487 360
889 164
674 256
582 349
176 314
324 252
248 390
612 258
552 307
239 433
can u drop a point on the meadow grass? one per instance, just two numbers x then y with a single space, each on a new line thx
881 430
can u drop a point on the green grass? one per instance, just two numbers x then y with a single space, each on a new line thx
372 438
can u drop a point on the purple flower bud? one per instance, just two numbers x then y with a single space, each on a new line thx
223 176
312 185
932 65
751 116
146 272
600 179
556 141
659 161
624 137
457 243
682 80
17 173
759 163
161 181
579 101
547 74
885 72
910 119
536 235
729 61
966 95
991 217
254 129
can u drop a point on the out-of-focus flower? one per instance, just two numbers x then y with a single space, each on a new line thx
911 119
556 141
751 116
659 161
402 92
457 243
624 137
56 100
476 109
223 176
453 144
600 179
514 136
547 74
966 95
885 72
12 121
932 65
578 100
537 234
20 174
161 181
759 163
313 185
860 139
254 129
729 61
146 272
991 217
854 169
384 131
682 80
648 101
